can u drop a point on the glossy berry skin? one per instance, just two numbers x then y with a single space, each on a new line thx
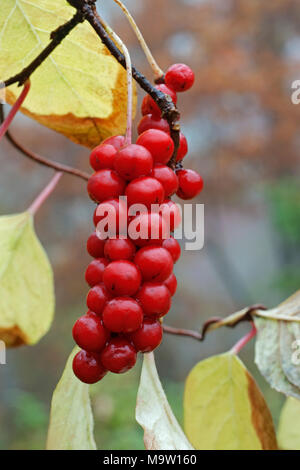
190 184
97 298
113 208
171 214
151 122
167 177
122 278
133 161
88 368
102 157
95 270
150 107
180 77
105 184
183 148
119 249
155 299
118 356
159 144
148 228
95 246
89 333
122 315
155 263
144 190
117 141
173 248
148 337
171 284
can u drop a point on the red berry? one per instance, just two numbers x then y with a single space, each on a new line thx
88 368
170 212
95 246
183 148
155 263
118 356
171 284
122 278
151 122
133 161
167 177
97 298
115 212
144 190
159 144
105 184
117 141
102 157
119 249
123 315
155 299
94 271
180 77
150 107
173 248
148 228
148 337
89 333
190 184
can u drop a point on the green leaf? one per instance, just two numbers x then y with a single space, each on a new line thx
224 409
71 419
26 282
289 425
80 90
154 414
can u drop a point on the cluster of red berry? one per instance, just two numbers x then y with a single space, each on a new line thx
131 280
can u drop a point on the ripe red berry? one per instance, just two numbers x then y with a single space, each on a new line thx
190 184
122 278
119 249
171 284
183 148
118 356
170 212
150 107
133 161
159 144
89 333
148 337
102 157
105 184
180 77
151 122
97 298
155 263
173 248
167 177
148 228
88 368
123 315
95 246
155 299
94 271
115 212
117 141
144 190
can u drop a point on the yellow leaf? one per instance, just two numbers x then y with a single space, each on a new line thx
224 409
289 425
71 419
26 282
80 90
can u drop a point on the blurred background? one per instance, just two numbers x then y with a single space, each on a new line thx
243 133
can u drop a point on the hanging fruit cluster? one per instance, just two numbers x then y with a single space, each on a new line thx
131 277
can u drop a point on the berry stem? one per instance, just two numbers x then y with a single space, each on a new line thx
43 196
245 340
5 125
157 71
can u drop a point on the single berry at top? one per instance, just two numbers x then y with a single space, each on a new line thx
133 161
190 184
180 77
159 144
117 141
88 367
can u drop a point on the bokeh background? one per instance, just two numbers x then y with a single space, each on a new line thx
243 133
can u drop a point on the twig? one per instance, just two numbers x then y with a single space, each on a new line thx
6 122
245 340
43 196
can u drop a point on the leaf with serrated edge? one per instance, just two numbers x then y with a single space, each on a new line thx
289 425
154 414
71 419
80 90
224 409
26 282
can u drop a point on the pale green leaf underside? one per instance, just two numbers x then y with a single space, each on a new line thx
289 425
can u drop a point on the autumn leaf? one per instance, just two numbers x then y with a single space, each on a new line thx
224 409
26 282
154 414
80 90
289 425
